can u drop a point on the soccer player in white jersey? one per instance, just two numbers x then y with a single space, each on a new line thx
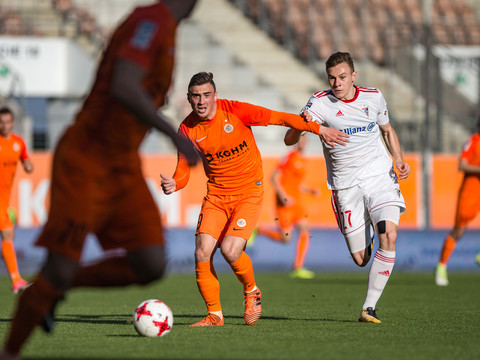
365 190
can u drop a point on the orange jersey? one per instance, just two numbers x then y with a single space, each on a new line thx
231 158
471 153
12 149
146 37
468 204
292 170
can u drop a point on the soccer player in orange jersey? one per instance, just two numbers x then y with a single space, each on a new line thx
97 181
12 149
221 131
287 180
468 203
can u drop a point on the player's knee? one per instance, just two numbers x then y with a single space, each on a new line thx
231 254
151 271
148 264
361 258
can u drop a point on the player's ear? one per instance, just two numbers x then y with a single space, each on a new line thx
215 96
354 75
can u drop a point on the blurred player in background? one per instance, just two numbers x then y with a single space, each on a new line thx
468 203
287 180
221 131
12 149
97 180
365 190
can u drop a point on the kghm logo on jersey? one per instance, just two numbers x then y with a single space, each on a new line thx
356 130
227 154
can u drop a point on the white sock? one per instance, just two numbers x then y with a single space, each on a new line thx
380 271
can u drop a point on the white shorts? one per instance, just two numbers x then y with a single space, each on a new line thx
369 202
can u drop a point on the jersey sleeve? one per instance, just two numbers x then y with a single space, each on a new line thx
468 150
382 116
313 106
182 171
251 115
294 121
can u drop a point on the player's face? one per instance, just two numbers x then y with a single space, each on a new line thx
341 78
6 124
203 100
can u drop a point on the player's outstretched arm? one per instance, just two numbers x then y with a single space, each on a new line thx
126 88
169 185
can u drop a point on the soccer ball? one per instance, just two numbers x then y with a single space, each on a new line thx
153 318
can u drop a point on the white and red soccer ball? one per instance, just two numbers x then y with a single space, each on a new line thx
153 318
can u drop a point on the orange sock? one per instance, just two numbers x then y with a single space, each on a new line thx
447 250
243 268
36 301
108 272
10 258
274 235
208 285
303 243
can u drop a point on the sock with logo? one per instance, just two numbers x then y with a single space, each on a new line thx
448 246
10 258
380 271
208 285
303 244
243 268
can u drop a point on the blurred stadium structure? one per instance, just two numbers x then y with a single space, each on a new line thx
424 55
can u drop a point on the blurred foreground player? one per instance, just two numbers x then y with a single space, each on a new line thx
468 203
221 131
97 182
12 149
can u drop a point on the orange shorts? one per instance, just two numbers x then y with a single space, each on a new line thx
468 204
288 216
232 215
93 194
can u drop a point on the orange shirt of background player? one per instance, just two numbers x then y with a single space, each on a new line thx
12 149
471 153
292 170
231 159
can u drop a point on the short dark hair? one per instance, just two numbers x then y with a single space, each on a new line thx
338 58
6 110
202 78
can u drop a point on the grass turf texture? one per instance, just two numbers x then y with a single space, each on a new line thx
301 319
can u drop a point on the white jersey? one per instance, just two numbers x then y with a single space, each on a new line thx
365 155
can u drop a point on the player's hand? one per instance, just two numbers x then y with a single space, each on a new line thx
169 185
403 170
306 116
187 149
331 136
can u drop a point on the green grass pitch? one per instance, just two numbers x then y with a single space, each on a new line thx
301 319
